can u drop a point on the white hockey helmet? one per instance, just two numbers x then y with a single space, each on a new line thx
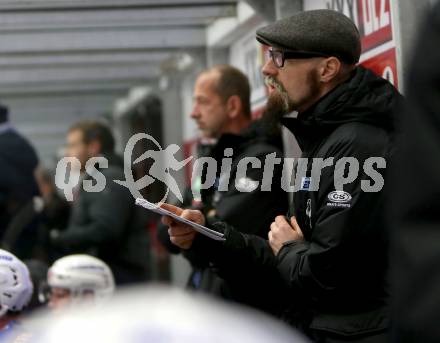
16 286
80 274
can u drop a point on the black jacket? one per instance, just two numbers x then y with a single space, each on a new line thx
336 277
18 161
249 212
109 226
48 214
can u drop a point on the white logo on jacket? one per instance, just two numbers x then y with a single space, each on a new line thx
339 199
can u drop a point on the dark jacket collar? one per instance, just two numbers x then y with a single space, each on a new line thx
255 132
364 97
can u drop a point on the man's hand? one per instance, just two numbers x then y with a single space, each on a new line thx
180 234
281 231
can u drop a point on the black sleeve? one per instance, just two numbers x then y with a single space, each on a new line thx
246 216
164 239
24 218
8 175
246 260
17 179
248 265
9 181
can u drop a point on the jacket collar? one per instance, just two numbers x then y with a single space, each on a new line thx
364 97
227 140
305 132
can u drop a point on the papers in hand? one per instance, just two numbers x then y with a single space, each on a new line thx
199 228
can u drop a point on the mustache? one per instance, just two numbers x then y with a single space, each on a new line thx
281 97
270 81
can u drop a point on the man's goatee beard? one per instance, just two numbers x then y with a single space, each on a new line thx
274 111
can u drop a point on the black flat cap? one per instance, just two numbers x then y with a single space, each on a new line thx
324 32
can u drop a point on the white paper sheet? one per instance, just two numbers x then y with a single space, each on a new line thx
199 228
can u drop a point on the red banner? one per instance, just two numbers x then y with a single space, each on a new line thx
374 23
384 64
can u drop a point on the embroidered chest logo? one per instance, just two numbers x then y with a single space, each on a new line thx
339 199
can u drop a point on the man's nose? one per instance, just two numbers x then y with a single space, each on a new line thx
269 68
195 113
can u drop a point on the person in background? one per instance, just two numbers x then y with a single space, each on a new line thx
50 211
223 114
104 224
78 279
18 161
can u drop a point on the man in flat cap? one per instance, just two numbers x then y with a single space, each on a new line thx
331 252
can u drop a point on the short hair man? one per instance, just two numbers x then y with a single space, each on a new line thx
332 251
102 223
222 111
221 101
88 139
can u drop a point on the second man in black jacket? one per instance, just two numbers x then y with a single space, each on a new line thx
222 112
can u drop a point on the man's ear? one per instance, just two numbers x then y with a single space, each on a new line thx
94 148
233 106
330 69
